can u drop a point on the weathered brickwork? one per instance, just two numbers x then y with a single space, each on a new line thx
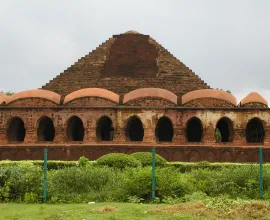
91 101
124 63
178 149
150 102
92 122
254 105
31 102
209 102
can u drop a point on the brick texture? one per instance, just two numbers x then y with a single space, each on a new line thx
124 63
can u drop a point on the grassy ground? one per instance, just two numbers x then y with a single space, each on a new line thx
190 210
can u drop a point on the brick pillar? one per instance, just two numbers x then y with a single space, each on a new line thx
267 136
90 133
239 137
149 135
3 135
30 136
209 136
179 131
119 129
60 135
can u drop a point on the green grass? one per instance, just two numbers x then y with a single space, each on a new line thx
191 210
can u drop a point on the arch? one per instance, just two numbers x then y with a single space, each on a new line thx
255 132
209 93
164 129
92 92
224 128
75 129
16 130
105 130
194 130
150 92
37 93
134 129
46 130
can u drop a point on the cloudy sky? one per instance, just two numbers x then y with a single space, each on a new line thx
226 43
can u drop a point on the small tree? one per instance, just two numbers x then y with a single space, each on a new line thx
218 135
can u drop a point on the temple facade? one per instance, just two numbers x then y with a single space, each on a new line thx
130 94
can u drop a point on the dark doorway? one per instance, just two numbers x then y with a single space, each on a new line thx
255 132
194 130
224 130
75 129
46 131
164 130
105 130
134 129
16 130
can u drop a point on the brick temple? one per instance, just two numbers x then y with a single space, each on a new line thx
131 94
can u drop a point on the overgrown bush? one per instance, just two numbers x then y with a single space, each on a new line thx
16 181
83 161
24 182
146 158
118 160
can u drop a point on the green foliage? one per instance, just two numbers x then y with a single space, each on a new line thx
228 91
83 161
51 164
30 197
9 93
218 135
146 158
16 181
118 160
24 182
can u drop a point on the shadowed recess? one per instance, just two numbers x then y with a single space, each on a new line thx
134 129
194 130
46 131
105 130
255 132
16 130
164 130
225 128
75 129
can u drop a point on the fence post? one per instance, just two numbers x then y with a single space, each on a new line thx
261 171
45 175
153 172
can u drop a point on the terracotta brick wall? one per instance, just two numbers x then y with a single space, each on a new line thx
208 102
119 116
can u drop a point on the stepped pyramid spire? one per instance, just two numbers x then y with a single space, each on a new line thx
126 62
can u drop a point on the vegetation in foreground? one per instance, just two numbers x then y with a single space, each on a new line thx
206 209
128 178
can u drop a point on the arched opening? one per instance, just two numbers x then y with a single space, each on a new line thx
46 131
194 130
134 129
105 130
224 130
164 130
255 131
16 130
75 129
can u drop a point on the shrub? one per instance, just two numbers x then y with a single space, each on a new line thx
18 180
51 164
83 161
118 160
83 184
146 158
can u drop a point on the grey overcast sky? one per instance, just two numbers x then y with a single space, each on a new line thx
226 43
